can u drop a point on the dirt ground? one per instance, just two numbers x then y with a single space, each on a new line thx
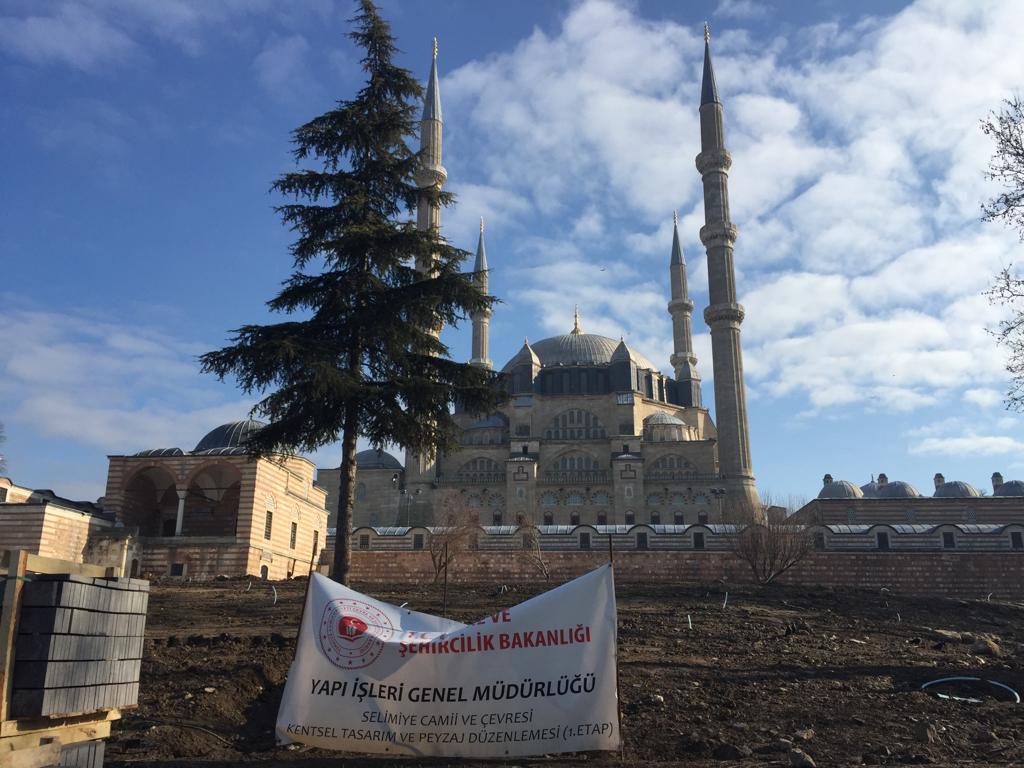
835 673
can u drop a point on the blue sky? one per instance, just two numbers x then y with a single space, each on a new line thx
141 137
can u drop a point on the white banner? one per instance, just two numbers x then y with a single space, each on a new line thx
533 679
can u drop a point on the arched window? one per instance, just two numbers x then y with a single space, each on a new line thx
600 498
630 517
549 518
602 518
679 519
575 500
576 462
655 517
575 424
480 470
548 499
360 491
654 499
574 518
670 467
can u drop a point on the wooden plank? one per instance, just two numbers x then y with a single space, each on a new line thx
43 725
41 756
39 564
9 625
67 734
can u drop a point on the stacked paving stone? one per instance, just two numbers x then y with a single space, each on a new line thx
85 754
79 645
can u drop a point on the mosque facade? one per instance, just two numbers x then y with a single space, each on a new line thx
593 432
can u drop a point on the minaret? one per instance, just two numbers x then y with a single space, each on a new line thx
723 315
681 308
481 319
421 468
431 175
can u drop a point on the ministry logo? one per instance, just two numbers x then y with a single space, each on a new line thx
353 633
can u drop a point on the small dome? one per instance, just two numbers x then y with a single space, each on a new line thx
1010 488
840 489
956 489
231 435
870 490
660 417
898 489
375 459
495 420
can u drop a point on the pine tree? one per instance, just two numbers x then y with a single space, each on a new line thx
360 355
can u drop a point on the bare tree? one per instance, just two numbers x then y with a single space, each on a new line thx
1008 291
773 546
1006 128
455 535
532 552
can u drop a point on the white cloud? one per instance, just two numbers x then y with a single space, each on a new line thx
96 382
983 445
857 172
282 68
72 34
742 9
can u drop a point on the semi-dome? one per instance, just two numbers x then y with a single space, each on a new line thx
1010 488
373 458
230 437
660 417
897 489
956 489
580 349
840 489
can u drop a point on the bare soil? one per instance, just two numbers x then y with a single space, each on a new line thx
837 673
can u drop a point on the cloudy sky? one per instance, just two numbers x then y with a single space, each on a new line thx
141 136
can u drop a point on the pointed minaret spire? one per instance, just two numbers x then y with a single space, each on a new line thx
482 319
708 90
577 329
432 102
680 308
724 314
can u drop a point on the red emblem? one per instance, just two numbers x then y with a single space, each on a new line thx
353 633
351 627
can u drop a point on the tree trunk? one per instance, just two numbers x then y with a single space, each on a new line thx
346 498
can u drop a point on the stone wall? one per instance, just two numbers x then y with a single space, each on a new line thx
942 574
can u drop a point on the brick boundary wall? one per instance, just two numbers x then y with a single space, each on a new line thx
972 575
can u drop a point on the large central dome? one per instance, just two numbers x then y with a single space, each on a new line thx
581 349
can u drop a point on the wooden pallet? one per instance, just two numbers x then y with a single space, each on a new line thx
34 742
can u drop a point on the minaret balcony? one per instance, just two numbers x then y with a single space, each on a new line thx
714 160
718 233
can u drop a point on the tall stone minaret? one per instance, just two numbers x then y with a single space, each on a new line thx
421 468
482 319
681 308
432 175
723 314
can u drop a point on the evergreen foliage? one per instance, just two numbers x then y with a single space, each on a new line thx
357 356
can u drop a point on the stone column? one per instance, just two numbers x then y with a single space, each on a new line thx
181 512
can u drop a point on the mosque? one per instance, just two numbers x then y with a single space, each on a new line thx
593 432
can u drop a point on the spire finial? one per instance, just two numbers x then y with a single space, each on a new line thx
481 225
707 36
675 218
435 41
577 329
